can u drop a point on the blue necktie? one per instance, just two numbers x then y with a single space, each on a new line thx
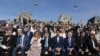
69 40
46 43
20 40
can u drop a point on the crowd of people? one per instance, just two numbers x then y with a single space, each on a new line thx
40 38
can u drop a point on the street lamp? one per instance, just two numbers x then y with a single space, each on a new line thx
35 6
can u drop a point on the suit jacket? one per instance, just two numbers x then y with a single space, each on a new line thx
44 40
90 45
81 43
55 44
30 35
26 41
66 43
11 42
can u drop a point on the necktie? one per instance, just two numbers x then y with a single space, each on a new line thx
69 40
20 40
28 34
46 42
58 39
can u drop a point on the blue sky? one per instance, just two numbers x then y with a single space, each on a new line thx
51 9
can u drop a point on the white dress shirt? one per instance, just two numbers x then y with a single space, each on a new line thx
93 44
22 40
58 39
46 42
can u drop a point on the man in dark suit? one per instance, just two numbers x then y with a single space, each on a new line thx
9 42
77 33
46 44
69 45
22 43
29 33
57 45
93 45
81 44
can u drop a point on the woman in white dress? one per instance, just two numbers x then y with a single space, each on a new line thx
35 48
